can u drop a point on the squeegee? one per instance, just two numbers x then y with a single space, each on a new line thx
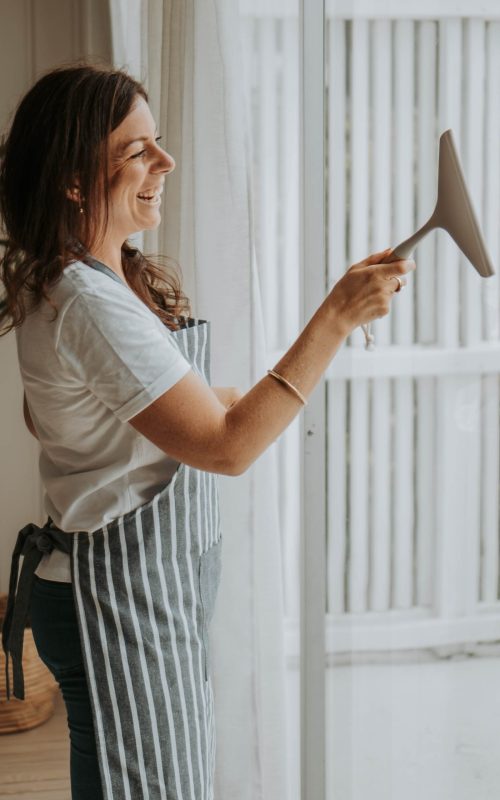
453 213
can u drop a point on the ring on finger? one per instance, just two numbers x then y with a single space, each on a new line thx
400 283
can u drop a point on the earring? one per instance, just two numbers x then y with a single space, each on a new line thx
75 192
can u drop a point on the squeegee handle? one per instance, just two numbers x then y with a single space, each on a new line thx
405 249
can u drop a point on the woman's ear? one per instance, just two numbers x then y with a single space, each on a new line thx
73 193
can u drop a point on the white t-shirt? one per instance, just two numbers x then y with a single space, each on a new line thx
105 358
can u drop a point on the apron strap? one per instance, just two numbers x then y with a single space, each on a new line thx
32 543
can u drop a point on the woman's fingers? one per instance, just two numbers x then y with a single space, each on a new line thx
377 258
366 290
399 282
396 268
374 258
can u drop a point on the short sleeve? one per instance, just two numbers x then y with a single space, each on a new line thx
120 350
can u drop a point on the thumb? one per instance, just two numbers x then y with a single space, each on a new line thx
376 258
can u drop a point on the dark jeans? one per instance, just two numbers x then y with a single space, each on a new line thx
55 631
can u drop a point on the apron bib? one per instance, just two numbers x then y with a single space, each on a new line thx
144 587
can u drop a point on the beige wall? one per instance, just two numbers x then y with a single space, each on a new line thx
34 36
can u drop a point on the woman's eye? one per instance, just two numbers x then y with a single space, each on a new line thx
142 152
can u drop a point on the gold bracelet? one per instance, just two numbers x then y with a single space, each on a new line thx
287 383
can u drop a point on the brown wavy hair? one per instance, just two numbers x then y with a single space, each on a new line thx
60 132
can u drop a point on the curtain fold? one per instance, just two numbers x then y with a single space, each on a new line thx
191 65
126 41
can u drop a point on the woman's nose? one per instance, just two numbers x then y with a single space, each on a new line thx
165 162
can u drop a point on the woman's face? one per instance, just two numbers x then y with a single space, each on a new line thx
137 169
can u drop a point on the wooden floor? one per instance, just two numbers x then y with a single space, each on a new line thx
35 763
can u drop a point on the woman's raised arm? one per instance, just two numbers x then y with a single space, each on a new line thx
190 424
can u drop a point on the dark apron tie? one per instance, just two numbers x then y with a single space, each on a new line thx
32 543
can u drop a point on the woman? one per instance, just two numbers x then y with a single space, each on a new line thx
120 583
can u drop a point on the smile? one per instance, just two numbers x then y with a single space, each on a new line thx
152 197
152 200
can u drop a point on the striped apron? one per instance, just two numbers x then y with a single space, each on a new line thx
144 587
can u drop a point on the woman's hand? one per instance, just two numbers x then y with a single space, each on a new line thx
365 292
228 395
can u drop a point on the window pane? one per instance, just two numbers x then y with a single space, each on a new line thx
413 608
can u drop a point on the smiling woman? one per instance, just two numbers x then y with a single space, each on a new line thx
136 177
132 435
84 140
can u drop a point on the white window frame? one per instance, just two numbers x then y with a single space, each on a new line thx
312 234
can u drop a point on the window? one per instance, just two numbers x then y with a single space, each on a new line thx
412 442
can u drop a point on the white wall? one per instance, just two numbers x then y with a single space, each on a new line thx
35 35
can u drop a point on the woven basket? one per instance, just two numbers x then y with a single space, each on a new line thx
40 688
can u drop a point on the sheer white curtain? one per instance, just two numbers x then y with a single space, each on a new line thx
126 31
191 65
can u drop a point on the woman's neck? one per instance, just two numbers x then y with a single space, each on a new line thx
112 257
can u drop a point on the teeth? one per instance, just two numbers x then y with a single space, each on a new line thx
154 198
